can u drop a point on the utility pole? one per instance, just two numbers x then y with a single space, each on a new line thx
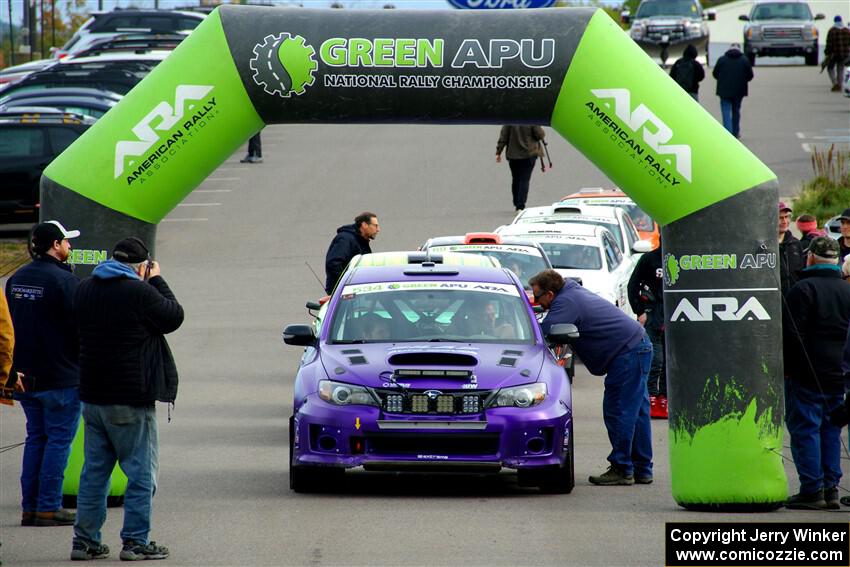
11 35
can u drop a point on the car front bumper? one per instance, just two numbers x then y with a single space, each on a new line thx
351 436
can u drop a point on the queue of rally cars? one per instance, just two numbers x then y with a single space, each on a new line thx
435 359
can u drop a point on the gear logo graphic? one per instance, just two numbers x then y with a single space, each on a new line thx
284 65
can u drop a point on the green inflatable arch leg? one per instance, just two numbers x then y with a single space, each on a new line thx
572 68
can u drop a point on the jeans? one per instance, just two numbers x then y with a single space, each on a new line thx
657 370
521 170
255 146
815 443
52 418
127 434
625 409
730 109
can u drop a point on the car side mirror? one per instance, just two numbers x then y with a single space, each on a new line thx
642 246
313 305
744 18
711 16
299 335
820 17
625 16
563 334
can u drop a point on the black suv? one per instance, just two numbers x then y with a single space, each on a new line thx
29 140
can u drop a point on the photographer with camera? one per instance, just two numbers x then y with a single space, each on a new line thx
814 333
647 301
40 297
124 310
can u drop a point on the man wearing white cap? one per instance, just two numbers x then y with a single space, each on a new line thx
40 300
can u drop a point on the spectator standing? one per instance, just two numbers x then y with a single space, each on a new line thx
7 345
808 227
815 332
688 72
646 297
40 297
613 344
844 241
524 146
255 150
733 72
124 310
837 51
350 240
791 254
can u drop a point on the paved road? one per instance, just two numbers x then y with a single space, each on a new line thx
235 256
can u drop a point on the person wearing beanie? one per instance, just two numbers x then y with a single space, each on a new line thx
836 52
40 297
688 72
791 251
808 227
733 72
124 310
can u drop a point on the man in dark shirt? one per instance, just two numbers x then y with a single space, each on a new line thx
350 240
792 257
613 344
844 241
40 297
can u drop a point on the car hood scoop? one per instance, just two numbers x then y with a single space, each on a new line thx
430 358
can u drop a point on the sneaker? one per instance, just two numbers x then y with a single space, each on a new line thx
82 551
845 500
836 88
662 407
811 501
830 495
59 517
138 551
246 159
613 477
27 518
643 479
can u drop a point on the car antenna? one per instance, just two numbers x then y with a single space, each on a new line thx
315 275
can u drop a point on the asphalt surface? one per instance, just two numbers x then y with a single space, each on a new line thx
236 256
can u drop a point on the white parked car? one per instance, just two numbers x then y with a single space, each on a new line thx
615 219
587 253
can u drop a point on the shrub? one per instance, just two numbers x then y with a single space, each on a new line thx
828 193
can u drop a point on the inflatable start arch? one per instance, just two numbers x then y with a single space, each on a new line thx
573 69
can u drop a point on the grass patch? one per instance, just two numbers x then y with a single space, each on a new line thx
828 193
13 255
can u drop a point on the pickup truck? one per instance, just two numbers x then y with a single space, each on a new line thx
781 29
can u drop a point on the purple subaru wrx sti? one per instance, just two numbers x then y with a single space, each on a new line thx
430 366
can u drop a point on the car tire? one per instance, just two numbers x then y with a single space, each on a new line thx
812 58
560 479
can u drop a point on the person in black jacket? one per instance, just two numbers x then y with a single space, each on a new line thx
646 298
123 310
40 297
792 257
814 333
350 240
688 72
732 71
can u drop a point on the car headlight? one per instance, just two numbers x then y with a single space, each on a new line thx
753 32
524 396
342 394
693 29
810 33
636 31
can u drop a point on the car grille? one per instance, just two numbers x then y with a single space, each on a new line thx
783 33
674 32
433 402
432 444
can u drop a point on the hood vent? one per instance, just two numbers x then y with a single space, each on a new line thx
355 356
432 359
509 358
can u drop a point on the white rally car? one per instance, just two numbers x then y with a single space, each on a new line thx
615 219
587 253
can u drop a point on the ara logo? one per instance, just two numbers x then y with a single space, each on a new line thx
722 308
283 65
167 115
655 132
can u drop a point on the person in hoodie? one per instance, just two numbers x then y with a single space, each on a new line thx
814 333
792 258
613 344
733 72
350 240
40 297
688 72
123 311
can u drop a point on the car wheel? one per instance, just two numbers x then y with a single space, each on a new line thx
560 479
812 58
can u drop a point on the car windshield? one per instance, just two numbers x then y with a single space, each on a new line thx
782 11
567 256
524 261
433 311
643 222
557 219
686 8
